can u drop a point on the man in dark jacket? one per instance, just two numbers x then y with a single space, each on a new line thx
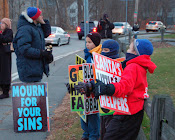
136 26
29 45
104 27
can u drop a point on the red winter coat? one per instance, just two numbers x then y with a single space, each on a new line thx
134 84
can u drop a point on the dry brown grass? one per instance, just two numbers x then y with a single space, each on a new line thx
65 124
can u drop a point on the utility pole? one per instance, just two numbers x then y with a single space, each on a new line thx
126 11
86 19
126 16
136 10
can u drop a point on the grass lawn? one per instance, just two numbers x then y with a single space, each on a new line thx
170 36
162 81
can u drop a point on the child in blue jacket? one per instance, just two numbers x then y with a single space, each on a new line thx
92 127
110 48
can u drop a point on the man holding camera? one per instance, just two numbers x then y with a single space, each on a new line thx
29 45
104 27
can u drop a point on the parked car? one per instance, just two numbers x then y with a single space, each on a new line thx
154 26
80 28
58 36
121 28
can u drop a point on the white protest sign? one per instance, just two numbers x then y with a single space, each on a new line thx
90 103
109 70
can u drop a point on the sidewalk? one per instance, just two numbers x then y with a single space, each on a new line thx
57 90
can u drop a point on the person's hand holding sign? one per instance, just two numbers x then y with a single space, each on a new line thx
103 89
84 88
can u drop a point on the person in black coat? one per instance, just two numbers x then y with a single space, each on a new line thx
29 45
136 26
6 37
104 27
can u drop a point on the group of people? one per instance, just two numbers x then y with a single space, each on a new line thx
33 60
133 84
104 27
29 46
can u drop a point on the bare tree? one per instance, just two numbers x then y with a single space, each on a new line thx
57 13
80 10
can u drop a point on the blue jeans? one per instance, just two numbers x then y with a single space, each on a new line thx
92 127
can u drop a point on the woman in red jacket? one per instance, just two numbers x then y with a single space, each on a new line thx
133 84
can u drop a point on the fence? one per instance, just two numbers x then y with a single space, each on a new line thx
161 113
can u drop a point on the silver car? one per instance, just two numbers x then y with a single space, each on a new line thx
121 28
154 26
58 36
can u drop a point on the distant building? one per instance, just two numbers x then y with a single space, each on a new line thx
171 13
171 17
72 11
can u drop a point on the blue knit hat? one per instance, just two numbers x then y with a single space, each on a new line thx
33 12
113 46
143 47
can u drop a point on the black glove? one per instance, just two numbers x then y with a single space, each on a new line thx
49 59
103 89
47 55
68 87
84 88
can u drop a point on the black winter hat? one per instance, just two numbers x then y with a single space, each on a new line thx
95 37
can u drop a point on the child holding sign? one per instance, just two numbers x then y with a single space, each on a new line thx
133 84
110 48
92 127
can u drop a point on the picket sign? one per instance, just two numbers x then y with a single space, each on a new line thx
76 98
30 107
108 70
80 60
90 103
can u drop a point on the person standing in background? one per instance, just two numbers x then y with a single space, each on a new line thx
6 38
136 28
105 27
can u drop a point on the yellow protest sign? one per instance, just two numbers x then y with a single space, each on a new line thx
80 60
76 99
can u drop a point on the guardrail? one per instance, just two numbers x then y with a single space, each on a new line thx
161 113
130 34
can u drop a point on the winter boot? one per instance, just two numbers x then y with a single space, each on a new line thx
84 138
5 89
2 96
